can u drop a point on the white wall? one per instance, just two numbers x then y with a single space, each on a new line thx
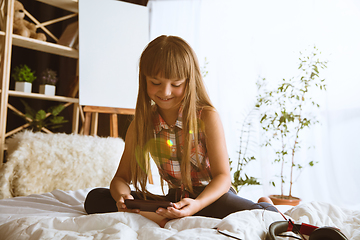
244 40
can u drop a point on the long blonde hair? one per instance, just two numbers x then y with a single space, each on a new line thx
171 57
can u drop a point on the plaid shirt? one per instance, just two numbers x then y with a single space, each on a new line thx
168 151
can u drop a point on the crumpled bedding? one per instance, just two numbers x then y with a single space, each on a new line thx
60 215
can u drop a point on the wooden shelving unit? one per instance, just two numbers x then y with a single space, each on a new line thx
7 40
43 97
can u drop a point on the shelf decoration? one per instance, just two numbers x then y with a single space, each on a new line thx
23 27
24 78
48 81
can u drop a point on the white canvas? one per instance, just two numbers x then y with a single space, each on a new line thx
112 35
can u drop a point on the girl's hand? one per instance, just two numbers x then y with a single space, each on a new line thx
186 207
121 204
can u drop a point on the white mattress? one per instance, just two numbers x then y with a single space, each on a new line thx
60 215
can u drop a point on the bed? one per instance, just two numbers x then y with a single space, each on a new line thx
58 213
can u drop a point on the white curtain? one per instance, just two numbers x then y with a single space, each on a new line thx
244 40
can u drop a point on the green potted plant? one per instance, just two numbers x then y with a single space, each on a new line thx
23 77
285 112
44 119
245 153
240 178
48 80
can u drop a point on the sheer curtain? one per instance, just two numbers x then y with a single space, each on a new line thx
245 40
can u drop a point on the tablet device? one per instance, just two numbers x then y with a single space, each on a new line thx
147 205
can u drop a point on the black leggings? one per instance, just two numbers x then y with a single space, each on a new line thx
99 200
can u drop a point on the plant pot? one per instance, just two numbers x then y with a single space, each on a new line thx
23 87
285 200
47 89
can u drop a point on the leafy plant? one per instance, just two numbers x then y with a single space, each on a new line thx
49 77
287 110
204 71
241 179
23 73
40 119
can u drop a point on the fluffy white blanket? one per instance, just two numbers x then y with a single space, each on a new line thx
41 162
60 215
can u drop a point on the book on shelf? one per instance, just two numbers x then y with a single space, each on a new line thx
70 37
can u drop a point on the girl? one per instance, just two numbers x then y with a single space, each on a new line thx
178 126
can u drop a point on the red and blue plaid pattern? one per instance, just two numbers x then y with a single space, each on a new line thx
167 152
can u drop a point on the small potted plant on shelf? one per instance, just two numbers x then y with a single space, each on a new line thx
48 80
285 112
23 77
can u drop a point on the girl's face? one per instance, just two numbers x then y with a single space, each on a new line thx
166 93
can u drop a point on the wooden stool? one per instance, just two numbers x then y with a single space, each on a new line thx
92 115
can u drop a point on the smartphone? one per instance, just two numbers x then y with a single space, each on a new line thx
147 205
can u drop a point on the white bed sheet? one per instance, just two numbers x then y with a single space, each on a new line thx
60 215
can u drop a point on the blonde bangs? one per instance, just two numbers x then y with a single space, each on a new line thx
165 59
